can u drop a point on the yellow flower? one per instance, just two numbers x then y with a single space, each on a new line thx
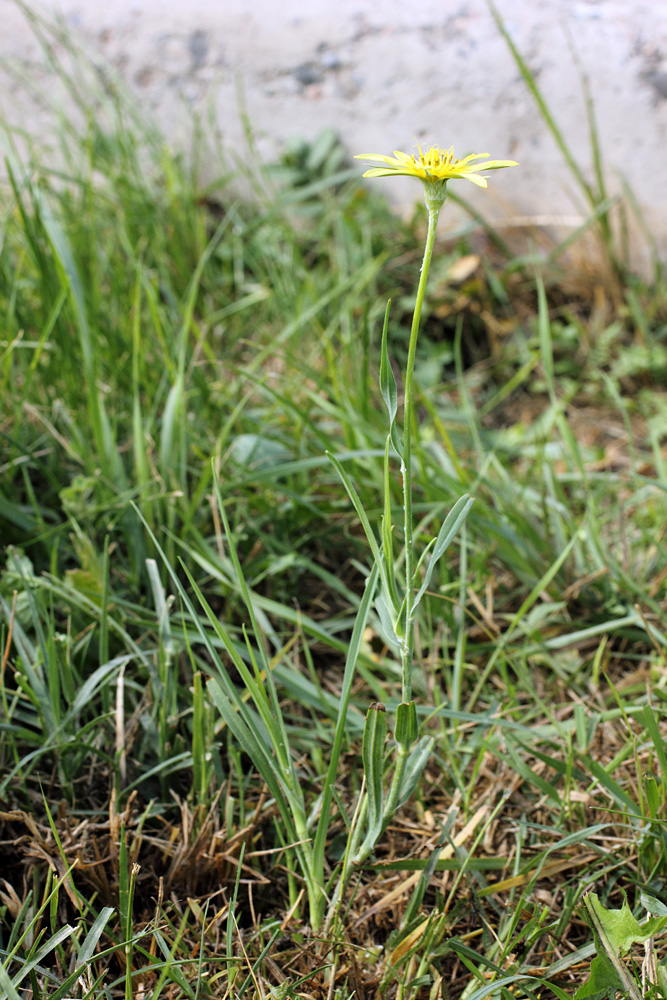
434 165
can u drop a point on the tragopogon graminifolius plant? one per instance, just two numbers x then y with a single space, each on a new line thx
398 603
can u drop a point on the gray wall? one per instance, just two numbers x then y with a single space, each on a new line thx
386 74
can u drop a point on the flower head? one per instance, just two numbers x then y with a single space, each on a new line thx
434 165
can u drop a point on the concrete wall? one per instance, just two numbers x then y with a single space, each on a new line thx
388 73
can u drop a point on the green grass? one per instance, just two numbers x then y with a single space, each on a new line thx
182 583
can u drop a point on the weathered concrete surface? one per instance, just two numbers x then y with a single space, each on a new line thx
386 74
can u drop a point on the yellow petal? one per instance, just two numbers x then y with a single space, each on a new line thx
479 181
373 156
383 172
496 164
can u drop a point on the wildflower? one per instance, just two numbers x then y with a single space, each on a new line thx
436 164
434 167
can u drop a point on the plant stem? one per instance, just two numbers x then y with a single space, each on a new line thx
402 754
357 851
408 644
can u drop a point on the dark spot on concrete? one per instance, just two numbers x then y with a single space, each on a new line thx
330 60
198 46
144 76
659 83
307 74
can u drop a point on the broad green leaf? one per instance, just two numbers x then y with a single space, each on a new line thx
621 927
615 931
407 726
603 980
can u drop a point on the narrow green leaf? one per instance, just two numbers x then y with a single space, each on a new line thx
8 989
270 726
624 800
274 718
346 690
388 387
172 423
387 380
171 969
387 535
91 941
256 751
358 506
375 735
495 986
388 584
658 740
389 625
447 533
417 761
199 768
45 949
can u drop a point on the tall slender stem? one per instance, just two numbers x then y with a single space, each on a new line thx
408 645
